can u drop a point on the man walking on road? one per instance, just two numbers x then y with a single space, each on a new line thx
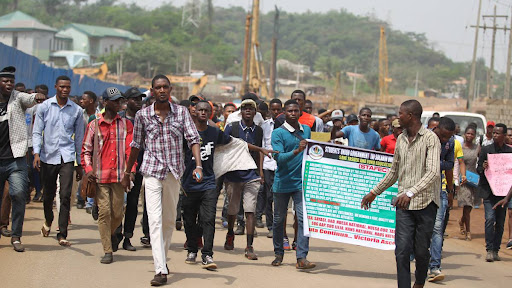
161 129
289 141
114 135
494 218
416 167
360 136
13 149
57 139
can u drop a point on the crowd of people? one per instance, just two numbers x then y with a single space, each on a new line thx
181 155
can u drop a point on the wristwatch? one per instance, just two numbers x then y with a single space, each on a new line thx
409 194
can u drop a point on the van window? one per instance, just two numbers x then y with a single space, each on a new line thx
463 121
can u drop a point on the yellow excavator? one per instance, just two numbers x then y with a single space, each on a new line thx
199 83
96 71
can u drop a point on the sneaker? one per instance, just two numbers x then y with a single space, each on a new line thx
286 244
145 242
208 263
191 258
509 244
127 245
249 253
230 242
5 232
294 245
88 210
259 224
80 205
159 280
270 234
16 245
225 224
303 263
278 260
435 275
490 256
240 230
179 224
496 256
107 258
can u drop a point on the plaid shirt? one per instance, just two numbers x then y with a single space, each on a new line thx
113 146
163 142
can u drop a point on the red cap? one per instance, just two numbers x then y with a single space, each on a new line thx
491 123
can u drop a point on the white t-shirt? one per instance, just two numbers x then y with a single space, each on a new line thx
236 116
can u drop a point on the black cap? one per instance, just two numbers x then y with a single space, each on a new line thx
352 117
251 96
195 98
112 94
133 93
8 72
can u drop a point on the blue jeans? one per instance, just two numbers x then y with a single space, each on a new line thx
280 210
436 246
89 203
15 172
494 223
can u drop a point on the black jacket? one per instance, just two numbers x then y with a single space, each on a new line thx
485 189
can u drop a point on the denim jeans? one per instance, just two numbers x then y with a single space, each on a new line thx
436 246
15 172
265 198
412 234
199 210
494 223
280 210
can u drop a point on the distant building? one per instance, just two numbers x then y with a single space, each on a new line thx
27 34
98 40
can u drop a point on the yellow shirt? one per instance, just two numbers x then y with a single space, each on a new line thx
457 151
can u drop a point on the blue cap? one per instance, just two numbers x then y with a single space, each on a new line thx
112 94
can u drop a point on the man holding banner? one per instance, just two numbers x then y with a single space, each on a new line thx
416 167
289 141
494 218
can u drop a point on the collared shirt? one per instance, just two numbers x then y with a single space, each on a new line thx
63 132
388 143
268 126
15 115
163 142
113 148
416 167
484 183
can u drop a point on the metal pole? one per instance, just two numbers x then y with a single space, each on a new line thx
473 64
243 89
506 95
254 37
273 68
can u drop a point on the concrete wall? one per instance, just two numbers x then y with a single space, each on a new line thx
80 40
112 44
499 111
42 44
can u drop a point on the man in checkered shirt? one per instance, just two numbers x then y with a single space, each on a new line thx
13 148
160 129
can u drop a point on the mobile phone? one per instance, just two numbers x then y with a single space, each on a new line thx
197 175
394 200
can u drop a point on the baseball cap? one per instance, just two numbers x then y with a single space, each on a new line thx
396 123
8 72
248 102
251 96
352 117
337 115
112 94
491 123
133 93
195 98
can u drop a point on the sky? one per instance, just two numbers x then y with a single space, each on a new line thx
446 23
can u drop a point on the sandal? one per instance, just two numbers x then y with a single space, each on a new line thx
45 230
278 260
461 227
468 236
63 242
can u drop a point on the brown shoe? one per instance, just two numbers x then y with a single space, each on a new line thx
249 253
16 244
304 264
159 280
45 230
278 260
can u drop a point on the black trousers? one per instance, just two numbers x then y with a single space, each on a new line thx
265 199
199 210
65 172
132 203
412 234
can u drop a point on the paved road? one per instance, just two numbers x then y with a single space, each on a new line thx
45 264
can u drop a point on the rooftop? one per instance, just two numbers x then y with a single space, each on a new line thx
19 21
100 31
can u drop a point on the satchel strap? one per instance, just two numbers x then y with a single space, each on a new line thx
96 145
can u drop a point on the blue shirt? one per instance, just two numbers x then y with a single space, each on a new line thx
248 134
356 138
288 177
63 129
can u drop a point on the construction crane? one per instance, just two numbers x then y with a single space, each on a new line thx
98 71
383 69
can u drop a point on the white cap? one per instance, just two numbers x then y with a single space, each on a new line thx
337 114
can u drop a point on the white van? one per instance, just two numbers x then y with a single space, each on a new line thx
461 118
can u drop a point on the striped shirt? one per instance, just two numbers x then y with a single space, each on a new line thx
416 167
163 142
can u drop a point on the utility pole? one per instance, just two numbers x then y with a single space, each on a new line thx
244 89
254 39
416 84
355 84
273 68
506 94
189 63
473 64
